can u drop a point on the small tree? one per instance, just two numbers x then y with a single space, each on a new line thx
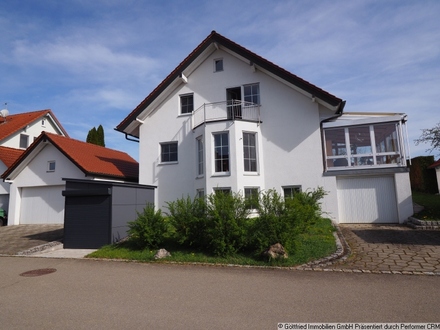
431 136
96 136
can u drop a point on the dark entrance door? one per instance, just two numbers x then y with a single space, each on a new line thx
233 98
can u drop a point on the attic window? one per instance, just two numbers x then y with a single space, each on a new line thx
218 65
51 166
43 122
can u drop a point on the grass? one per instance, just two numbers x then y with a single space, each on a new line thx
430 202
319 242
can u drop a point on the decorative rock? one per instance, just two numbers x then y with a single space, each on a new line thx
276 251
162 253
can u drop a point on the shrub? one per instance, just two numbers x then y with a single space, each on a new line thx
282 220
188 218
149 229
227 217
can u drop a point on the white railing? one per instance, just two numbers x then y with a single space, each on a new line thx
226 110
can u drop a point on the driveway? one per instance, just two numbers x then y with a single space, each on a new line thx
390 249
15 239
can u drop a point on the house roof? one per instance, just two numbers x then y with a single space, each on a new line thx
220 41
91 159
16 122
435 164
9 155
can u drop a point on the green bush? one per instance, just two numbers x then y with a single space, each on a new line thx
282 220
149 229
227 217
188 218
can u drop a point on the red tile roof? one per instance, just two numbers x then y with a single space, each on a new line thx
216 38
91 159
435 164
14 123
9 155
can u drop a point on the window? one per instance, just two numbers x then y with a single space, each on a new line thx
364 146
186 103
168 152
218 65
200 193
200 158
221 152
250 152
24 141
51 166
222 190
43 122
252 93
290 191
251 197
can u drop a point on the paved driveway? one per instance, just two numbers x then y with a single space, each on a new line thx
390 248
14 239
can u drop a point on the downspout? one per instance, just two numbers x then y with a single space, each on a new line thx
129 139
338 114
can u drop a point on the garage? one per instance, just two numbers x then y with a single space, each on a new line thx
42 205
369 199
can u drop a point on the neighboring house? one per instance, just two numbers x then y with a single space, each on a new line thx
7 157
17 132
36 178
227 119
436 166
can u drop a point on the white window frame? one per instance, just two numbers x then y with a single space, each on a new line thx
294 189
247 160
164 144
252 97
24 136
200 193
51 166
187 95
221 146
352 160
200 156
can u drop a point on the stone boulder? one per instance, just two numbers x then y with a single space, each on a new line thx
162 253
276 251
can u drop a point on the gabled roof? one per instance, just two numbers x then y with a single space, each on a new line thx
253 59
435 164
91 159
16 122
9 155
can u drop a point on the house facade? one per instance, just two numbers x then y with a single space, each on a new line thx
17 132
37 177
228 119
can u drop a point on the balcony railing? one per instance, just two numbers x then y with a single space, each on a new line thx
226 110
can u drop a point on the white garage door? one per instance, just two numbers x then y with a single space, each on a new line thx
42 205
367 200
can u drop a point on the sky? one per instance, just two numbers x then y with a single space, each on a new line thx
93 62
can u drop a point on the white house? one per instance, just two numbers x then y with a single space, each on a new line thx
228 119
17 132
36 178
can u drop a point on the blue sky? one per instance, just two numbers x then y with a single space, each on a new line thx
93 62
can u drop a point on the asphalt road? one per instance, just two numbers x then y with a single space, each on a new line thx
89 294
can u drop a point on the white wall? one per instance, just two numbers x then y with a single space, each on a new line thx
437 172
404 196
288 139
35 174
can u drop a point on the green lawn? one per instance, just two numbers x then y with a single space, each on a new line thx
430 202
319 242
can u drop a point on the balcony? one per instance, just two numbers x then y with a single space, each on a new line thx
226 110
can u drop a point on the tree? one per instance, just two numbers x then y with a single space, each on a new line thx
96 136
431 136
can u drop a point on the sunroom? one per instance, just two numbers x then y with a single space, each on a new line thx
365 141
